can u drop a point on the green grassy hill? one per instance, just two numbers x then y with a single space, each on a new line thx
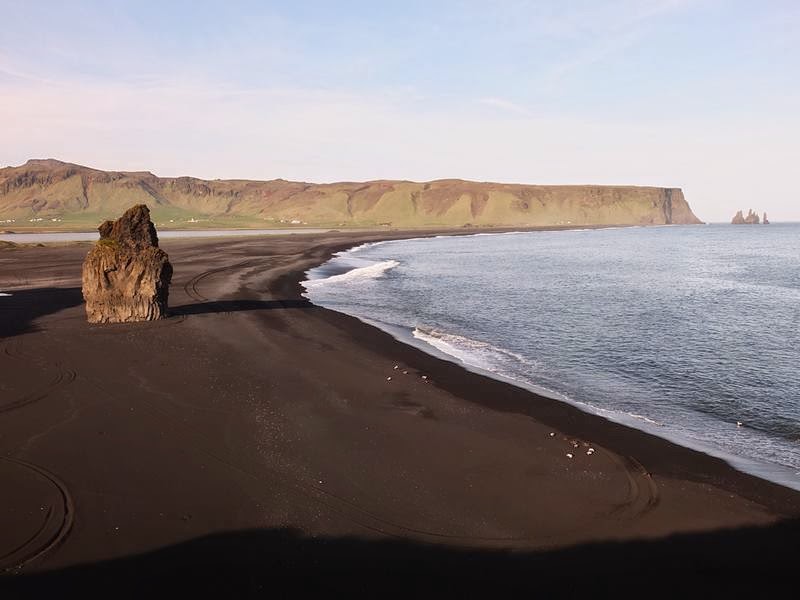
57 195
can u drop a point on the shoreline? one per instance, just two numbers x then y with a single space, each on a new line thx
744 465
538 414
215 232
252 425
781 475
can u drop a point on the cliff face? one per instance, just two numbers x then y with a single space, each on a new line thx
44 190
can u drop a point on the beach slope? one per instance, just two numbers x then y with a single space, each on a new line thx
253 439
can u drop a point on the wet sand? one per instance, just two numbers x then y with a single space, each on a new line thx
254 440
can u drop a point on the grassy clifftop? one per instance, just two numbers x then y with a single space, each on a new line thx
61 195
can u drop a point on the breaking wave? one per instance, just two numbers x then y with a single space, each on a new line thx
372 271
474 352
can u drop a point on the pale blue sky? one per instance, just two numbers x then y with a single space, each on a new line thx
699 94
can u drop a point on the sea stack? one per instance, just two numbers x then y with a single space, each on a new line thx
126 276
765 220
750 219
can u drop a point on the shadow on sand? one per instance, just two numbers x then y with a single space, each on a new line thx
19 310
258 563
230 306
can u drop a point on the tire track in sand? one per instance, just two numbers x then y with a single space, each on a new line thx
56 523
63 377
643 495
190 287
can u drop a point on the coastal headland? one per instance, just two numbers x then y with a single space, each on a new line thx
63 196
253 441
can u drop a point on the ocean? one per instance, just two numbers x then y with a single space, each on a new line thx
691 333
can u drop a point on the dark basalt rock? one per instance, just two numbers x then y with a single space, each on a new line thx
126 276
750 219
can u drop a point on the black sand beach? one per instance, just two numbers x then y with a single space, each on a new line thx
253 442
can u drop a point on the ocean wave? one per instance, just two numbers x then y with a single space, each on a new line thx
510 365
4 294
372 271
473 352
363 246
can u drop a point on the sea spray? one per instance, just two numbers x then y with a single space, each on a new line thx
372 271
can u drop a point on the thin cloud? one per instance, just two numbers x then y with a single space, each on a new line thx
12 70
612 30
505 105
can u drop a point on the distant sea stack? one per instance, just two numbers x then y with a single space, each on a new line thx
126 276
42 191
750 219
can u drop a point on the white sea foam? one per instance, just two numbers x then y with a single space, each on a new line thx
4 294
506 364
511 366
363 246
473 352
372 271
645 419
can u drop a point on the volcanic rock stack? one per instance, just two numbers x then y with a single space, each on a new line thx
750 219
126 276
